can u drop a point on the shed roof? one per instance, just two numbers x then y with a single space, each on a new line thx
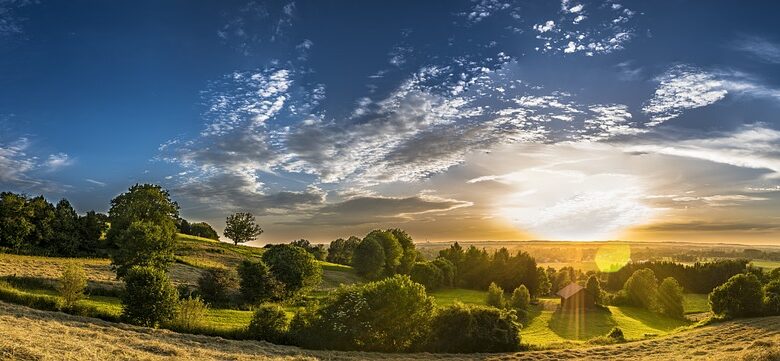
570 290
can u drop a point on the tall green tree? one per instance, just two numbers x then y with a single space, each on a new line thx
66 229
341 250
409 255
670 298
593 287
14 220
294 267
391 247
241 227
740 296
143 228
42 215
369 259
642 289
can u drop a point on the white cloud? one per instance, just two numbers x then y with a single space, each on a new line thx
95 182
58 161
759 47
549 25
681 88
482 9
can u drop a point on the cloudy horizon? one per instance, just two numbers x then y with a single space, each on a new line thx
471 120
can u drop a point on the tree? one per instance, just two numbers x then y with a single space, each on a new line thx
257 284
543 281
391 315
241 227
203 229
341 250
143 228
593 288
269 323
369 259
642 289
92 226
409 255
521 299
495 296
217 285
740 296
772 298
391 247
448 271
427 274
467 329
73 282
149 297
66 229
670 298
42 220
14 220
316 250
294 267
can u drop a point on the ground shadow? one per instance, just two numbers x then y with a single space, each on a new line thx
582 324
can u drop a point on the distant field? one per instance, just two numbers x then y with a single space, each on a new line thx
584 266
27 334
769 265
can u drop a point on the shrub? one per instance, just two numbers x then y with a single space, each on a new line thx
217 285
269 323
772 298
369 259
390 315
149 298
740 296
190 314
495 296
670 298
427 274
295 268
72 284
466 329
616 334
642 289
257 284
521 298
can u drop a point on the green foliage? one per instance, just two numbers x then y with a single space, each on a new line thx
409 255
670 298
295 268
740 296
149 298
216 285
521 299
427 274
544 282
143 228
772 297
190 315
66 229
391 248
448 271
257 284
203 229
495 296
14 220
92 226
72 284
269 323
241 227
642 289
369 259
341 250
42 217
593 287
389 315
42 302
467 329
317 250
144 243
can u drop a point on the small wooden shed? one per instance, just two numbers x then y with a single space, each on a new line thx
575 297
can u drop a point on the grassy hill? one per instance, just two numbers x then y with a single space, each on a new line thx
29 334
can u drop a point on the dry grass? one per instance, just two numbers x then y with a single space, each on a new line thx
27 334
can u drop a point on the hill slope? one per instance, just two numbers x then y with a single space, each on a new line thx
27 334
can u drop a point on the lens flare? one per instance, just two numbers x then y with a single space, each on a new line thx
612 257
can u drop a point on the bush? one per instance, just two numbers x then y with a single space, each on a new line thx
190 315
149 298
521 298
642 289
73 282
466 329
269 323
495 296
427 274
670 298
256 283
295 268
217 285
391 315
772 298
616 334
740 296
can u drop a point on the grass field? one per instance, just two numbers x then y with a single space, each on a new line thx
767 265
27 334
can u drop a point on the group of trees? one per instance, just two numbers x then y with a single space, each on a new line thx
33 225
696 278
199 229
643 290
384 253
753 293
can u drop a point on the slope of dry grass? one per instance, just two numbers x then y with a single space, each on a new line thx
27 334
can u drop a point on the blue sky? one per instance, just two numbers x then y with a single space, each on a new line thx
486 119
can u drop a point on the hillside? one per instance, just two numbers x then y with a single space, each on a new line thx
29 334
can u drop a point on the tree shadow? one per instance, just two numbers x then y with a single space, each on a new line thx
582 324
653 320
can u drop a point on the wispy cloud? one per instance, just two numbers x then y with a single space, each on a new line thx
759 47
97 183
58 161
682 87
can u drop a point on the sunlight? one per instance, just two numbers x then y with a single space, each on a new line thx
612 257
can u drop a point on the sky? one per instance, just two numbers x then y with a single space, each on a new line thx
454 120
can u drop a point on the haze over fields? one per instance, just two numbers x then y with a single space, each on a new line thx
457 120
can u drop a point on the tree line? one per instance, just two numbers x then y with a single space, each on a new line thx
695 278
